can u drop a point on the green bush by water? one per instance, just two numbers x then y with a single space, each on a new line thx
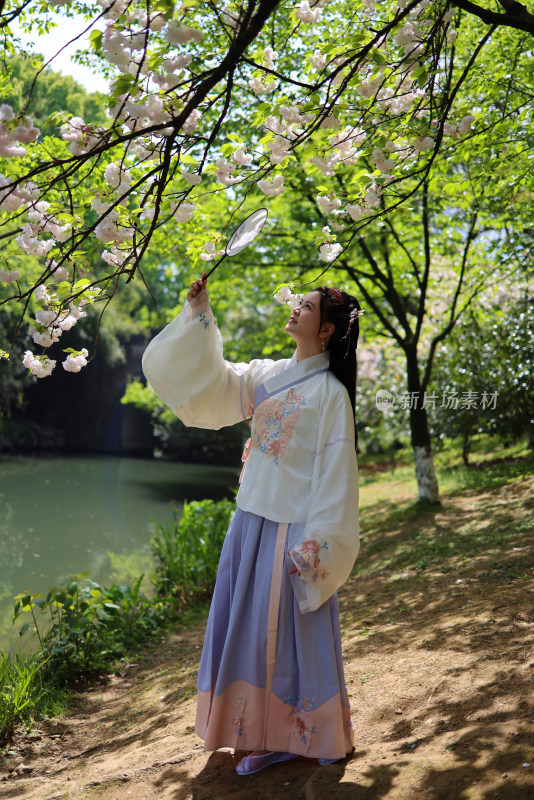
187 550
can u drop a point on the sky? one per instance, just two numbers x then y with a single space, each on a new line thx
49 44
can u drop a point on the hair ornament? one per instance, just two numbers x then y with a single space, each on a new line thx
354 314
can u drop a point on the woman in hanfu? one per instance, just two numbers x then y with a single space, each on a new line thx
271 673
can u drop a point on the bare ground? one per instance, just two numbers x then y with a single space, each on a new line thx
438 626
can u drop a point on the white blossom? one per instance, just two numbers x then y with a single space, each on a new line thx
41 293
41 366
75 362
373 195
108 229
211 252
28 242
274 187
240 157
231 18
59 273
117 177
286 297
318 60
47 337
466 123
67 321
262 85
269 57
115 257
99 205
355 211
279 147
113 8
6 113
184 212
191 177
177 33
328 204
423 143
326 167
305 13
191 122
329 251
330 121
224 172
45 317
7 276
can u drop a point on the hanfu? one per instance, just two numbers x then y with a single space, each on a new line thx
271 672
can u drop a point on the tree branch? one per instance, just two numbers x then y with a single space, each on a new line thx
516 16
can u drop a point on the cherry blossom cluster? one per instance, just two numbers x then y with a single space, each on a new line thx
15 133
285 296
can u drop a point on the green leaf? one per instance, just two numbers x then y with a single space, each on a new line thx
378 58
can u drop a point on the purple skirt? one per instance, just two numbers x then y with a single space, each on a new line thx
270 677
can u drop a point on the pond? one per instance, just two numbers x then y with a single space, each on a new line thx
61 516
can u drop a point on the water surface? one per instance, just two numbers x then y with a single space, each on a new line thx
60 516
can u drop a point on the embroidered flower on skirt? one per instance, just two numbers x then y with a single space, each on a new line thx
274 423
301 730
239 714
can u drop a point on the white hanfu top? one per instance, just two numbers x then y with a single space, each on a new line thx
301 467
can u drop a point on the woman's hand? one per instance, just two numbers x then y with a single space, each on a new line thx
198 294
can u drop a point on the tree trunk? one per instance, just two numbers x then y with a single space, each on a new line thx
425 472
467 446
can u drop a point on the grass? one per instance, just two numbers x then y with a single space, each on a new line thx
23 694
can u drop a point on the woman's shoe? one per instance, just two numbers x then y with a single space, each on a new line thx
324 761
251 764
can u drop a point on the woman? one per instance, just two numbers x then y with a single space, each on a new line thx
271 674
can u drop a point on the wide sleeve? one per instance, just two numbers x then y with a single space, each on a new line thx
324 549
184 364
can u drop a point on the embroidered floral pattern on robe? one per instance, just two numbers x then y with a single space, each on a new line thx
309 551
274 424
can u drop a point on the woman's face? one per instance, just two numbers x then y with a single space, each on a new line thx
305 320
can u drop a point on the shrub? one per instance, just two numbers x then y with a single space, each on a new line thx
187 550
84 627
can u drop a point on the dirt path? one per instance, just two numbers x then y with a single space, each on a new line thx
438 629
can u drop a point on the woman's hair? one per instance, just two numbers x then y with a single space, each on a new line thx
336 307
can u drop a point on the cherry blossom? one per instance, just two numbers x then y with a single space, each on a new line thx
75 361
177 33
305 13
330 251
41 366
328 204
7 276
424 143
184 212
262 86
240 157
274 187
